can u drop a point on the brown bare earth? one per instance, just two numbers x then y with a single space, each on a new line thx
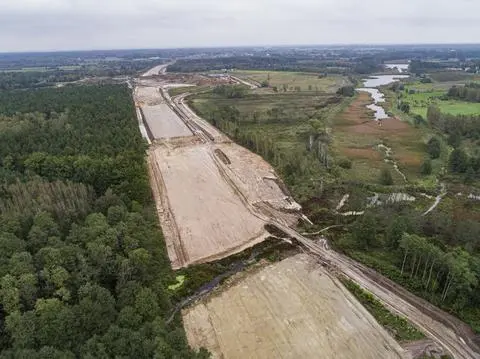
209 216
357 118
292 309
357 136
366 153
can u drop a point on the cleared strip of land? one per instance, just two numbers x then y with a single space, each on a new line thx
292 309
213 197
209 216
162 121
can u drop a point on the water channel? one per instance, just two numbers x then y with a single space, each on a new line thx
371 85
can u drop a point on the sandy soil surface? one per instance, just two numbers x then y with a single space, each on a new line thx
422 348
148 95
258 181
292 309
156 70
164 123
160 118
213 196
179 101
209 215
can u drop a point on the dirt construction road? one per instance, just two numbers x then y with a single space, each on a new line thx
449 332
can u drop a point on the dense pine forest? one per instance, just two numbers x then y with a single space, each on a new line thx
83 267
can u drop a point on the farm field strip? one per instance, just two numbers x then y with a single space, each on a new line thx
424 97
291 80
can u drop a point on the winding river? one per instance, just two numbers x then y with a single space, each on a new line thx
371 85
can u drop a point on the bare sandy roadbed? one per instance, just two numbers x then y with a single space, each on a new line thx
162 121
291 309
209 217
213 196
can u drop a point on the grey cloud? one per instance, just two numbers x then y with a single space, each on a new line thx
87 24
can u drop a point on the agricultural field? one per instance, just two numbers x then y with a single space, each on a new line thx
295 81
426 96
291 309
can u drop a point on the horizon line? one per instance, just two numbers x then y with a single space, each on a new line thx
366 44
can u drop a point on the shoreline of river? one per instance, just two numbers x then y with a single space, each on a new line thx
371 85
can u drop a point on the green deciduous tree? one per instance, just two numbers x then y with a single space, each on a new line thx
386 177
458 161
364 231
434 147
426 167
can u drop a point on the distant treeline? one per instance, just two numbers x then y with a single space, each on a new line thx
458 128
33 79
278 63
469 92
462 126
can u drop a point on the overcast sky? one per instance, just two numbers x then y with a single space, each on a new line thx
31 25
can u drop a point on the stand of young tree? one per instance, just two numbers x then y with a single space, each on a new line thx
83 265
438 258
296 164
469 92
457 128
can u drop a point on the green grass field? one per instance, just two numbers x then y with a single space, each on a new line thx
29 69
293 81
420 101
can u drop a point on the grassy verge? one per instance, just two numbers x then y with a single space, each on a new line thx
381 261
399 327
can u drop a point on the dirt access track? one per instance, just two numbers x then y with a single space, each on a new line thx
456 337
291 309
213 197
